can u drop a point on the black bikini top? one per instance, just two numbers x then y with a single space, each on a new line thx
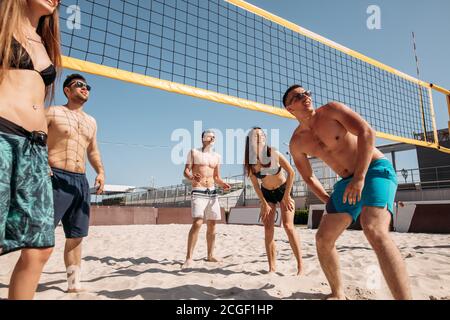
48 75
270 172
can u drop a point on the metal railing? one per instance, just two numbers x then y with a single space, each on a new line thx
425 178
179 195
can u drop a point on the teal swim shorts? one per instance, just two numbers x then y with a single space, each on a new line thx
379 190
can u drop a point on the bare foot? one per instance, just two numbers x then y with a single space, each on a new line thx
336 297
212 259
187 264
300 270
76 290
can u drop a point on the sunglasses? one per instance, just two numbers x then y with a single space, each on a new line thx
300 96
80 84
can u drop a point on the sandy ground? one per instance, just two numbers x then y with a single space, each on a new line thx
144 262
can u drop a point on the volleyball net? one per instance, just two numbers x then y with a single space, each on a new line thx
238 54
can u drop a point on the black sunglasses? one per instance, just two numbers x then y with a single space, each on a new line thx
300 96
80 84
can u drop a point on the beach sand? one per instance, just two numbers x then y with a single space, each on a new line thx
144 262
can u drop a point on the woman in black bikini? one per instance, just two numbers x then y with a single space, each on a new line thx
264 163
29 59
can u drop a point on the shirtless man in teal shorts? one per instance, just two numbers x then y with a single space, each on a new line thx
346 143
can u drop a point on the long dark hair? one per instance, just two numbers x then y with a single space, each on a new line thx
248 167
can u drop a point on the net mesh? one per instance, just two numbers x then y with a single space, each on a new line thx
222 48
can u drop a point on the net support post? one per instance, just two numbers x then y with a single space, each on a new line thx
448 106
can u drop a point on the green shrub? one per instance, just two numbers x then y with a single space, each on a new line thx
301 216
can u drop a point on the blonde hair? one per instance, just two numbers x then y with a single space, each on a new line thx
12 15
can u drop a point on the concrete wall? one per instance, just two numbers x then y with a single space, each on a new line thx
179 216
413 217
423 195
424 217
123 215
109 216
419 217
442 194
250 216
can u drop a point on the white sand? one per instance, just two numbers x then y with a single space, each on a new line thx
143 262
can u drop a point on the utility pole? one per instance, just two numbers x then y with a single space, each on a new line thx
288 153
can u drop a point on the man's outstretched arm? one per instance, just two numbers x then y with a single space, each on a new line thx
304 168
94 157
218 178
188 167
356 125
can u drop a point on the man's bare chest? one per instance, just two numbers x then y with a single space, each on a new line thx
325 137
72 126
205 159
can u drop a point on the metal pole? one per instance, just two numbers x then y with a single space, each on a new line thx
425 133
394 162
448 105
245 189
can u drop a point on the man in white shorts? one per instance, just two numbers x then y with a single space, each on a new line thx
203 169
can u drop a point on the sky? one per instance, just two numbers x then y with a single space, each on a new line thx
136 124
